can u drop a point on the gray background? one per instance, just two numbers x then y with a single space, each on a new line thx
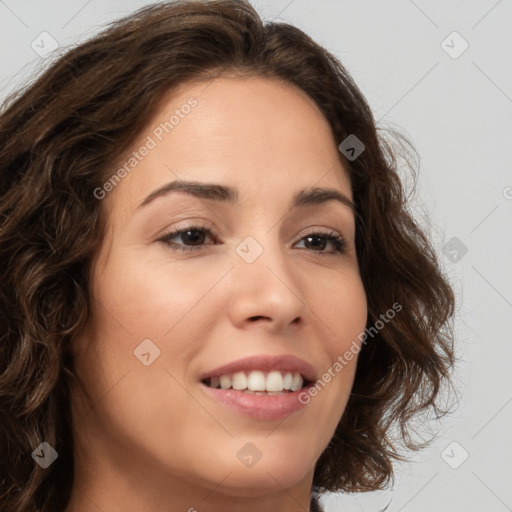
458 113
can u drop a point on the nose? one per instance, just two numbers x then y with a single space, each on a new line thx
266 292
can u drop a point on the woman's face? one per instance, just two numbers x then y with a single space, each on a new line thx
264 294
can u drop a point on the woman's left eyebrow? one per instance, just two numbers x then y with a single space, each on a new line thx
227 194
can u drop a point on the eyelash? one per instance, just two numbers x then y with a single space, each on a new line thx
337 240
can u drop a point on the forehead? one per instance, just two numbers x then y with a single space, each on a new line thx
249 132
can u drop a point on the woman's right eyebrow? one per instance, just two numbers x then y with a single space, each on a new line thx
227 194
198 189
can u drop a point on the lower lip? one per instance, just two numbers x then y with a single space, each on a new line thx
260 407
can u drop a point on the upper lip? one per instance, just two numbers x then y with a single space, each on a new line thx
264 363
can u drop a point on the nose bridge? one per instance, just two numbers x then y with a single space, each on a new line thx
263 253
265 284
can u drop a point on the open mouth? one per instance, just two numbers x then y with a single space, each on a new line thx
273 382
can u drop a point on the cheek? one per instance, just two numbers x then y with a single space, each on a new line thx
136 299
338 303
155 298
340 308
169 304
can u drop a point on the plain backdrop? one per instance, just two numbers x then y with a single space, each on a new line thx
441 71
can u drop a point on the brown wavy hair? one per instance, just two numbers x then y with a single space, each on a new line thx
60 138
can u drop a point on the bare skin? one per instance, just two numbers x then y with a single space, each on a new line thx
148 438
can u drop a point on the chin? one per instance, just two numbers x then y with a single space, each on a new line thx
272 467
253 483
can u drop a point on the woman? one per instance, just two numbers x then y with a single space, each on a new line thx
213 294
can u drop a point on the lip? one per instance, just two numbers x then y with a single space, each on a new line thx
261 407
287 363
258 407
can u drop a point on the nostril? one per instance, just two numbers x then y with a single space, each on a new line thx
257 317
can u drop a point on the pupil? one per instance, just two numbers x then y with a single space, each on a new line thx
322 243
194 239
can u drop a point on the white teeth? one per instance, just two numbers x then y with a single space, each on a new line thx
296 382
225 381
274 381
287 380
239 381
256 382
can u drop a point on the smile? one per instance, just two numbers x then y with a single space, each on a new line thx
260 387
258 382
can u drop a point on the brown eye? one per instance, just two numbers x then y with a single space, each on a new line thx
192 238
318 241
